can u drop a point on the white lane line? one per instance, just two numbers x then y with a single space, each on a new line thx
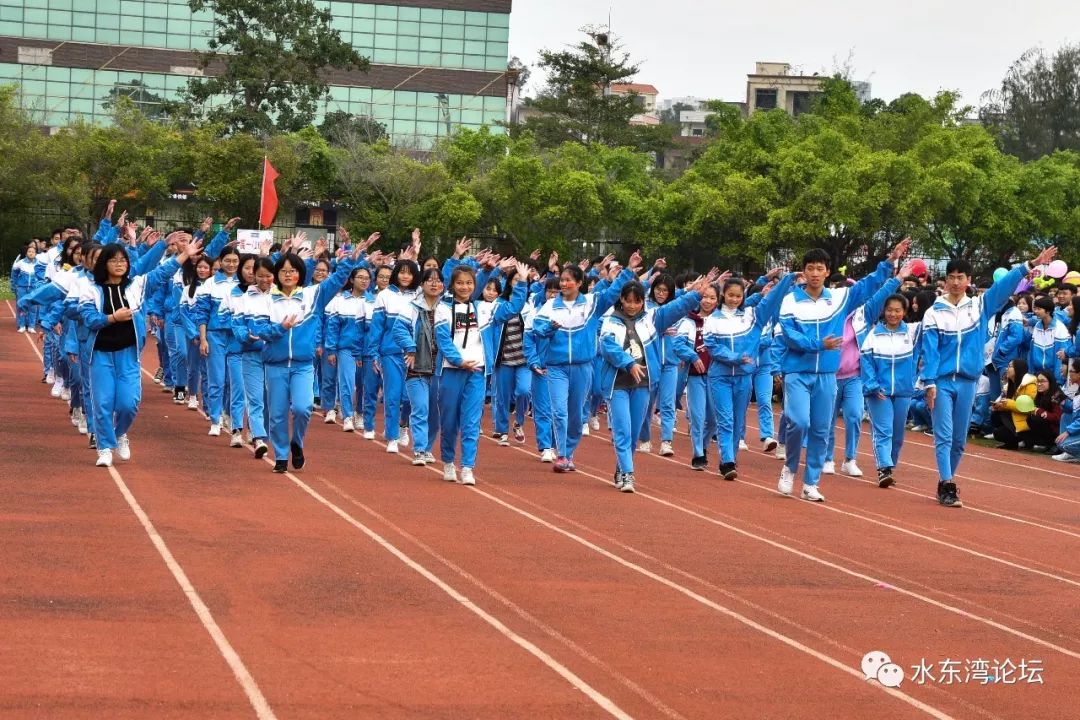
258 701
838 567
921 536
592 693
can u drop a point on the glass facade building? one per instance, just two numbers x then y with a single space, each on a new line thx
436 64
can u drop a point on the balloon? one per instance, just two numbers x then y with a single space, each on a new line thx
1000 273
1057 269
1024 286
1025 404
1073 278
918 268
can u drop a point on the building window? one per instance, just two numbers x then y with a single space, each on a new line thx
765 99
802 102
697 132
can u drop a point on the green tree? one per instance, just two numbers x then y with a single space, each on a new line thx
1037 108
341 128
267 62
577 104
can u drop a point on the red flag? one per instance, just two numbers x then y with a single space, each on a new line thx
268 204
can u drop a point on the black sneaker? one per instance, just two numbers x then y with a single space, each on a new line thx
699 462
728 471
627 483
948 496
180 396
884 477
281 466
297 455
92 442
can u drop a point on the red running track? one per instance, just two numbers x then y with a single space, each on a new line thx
361 586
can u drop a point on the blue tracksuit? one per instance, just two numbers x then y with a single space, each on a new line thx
245 307
289 355
1008 344
535 350
571 331
952 345
213 309
115 376
733 338
461 392
388 307
422 390
674 350
888 373
1046 343
626 407
810 369
346 336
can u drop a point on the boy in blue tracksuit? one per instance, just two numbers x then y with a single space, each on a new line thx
732 334
954 336
465 333
632 364
570 323
812 322
287 325
1049 341
888 367
535 351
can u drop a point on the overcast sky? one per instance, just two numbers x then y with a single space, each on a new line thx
707 47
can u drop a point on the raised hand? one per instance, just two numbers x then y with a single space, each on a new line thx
522 274
535 255
231 224
371 240
320 245
109 210
145 234
192 248
584 264
507 263
303 253
901 249
634 263
774 273
1045 256
204 226
264 247
553 262
905 269
461 247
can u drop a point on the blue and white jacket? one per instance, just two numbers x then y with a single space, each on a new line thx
296 344
26 275
347 324
954 335
1045 344
212 307
732 335
806 322
389 305
245 306
889 359
489 318
572 329
92 301
650 326
1010 339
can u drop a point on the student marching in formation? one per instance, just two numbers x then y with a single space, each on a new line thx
254 339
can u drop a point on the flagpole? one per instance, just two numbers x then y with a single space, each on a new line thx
262 192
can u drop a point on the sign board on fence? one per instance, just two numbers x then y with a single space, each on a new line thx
248 241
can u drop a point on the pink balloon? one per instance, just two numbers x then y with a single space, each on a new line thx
1057 269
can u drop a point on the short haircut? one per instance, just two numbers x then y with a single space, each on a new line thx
1046 303
296 262
817 255
412 267
958 265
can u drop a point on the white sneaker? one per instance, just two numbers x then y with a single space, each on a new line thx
547 456
594 422
743 445
504 441
429 459
391 447
449 472
850 468
331 416
920 428
123 448
1066 457
65 395
403 437
83 429
811 493
226 423
585 429
32 331
418 459
358 422
987 436
787 481
57 388
215 429
768 445
237 439
193 403
645 447
104 458
665 449
467 476
50 377
22 330
347 426
74 417
369 434
781 452
829 468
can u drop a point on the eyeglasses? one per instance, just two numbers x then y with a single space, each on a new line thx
118 260
434 281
